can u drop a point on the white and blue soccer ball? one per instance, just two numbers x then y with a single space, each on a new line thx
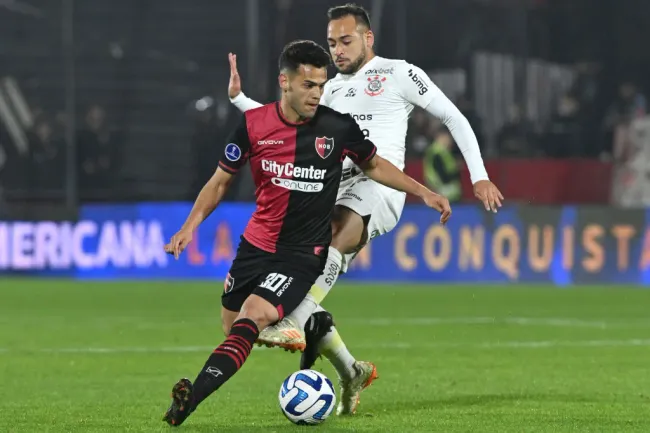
307 397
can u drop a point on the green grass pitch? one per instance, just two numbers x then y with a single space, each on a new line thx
98 356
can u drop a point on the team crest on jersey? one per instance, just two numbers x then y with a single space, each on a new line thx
375 86
324 146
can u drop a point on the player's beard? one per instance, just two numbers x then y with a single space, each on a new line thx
355 65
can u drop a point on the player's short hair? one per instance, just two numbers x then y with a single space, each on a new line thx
303 52
360 15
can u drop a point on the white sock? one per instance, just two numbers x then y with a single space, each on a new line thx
333 348
319 290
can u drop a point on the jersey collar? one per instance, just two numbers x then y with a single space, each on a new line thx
287 121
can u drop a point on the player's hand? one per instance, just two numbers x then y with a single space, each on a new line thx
234 85
178 243
489 194
439 203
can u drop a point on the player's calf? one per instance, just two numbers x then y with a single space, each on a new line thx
224 361
354 376
228 317
348 230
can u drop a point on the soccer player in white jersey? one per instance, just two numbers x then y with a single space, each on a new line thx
380 94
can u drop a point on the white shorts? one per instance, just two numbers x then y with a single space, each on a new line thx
372 200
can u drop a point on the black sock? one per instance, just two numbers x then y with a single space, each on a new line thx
226 359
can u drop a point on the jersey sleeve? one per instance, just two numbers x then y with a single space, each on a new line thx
415 85
244 103
357 147
237 149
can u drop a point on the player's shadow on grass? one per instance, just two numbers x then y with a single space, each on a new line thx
478 400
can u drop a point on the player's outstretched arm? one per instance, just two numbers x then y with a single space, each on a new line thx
363 153
464 136
237 97
417 88
207 201
385 173
234 157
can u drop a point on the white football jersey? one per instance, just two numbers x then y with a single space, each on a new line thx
380 97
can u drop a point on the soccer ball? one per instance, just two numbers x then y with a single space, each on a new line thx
307 397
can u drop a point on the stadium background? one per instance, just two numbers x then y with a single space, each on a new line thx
113 113
103 103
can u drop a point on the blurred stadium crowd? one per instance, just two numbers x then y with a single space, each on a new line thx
150 112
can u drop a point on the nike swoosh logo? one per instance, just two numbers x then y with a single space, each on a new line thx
336 90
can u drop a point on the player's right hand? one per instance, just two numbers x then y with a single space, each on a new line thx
234 85
439 203
489 194
178 243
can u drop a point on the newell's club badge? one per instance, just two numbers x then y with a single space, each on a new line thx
228 283
324 146
375 87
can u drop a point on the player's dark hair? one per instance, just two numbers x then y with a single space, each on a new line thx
350 9
303 52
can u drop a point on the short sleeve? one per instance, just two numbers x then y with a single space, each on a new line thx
237 149
357 147
415 85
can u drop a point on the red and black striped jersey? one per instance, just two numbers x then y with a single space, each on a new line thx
297 170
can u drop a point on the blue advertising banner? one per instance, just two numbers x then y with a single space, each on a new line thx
561 245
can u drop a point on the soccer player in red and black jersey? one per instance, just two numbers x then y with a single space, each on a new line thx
295 148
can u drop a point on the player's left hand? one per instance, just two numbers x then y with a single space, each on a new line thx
489 194
178 243
439 203
234 85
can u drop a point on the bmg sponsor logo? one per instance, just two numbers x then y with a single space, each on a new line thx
418 82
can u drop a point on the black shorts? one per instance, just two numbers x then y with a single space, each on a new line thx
282 278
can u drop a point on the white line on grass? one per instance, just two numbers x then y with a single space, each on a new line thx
520 344
520 321
379 345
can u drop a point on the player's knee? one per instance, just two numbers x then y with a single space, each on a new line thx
228 317
348 229
260 311
347 241
338 221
